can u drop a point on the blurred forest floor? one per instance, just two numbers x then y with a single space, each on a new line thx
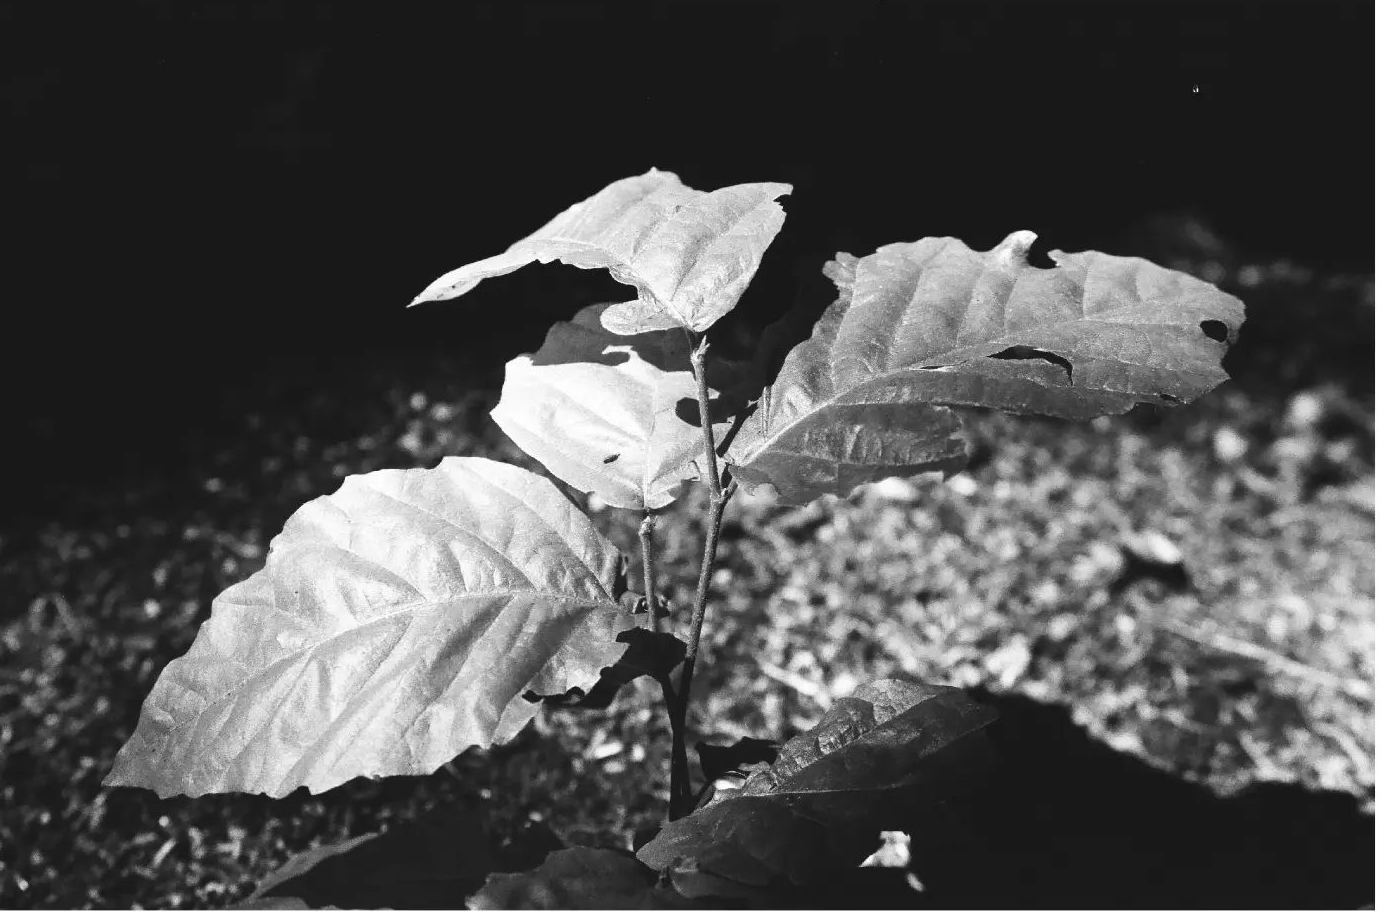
1196 586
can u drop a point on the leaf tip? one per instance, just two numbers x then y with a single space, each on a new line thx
1014 248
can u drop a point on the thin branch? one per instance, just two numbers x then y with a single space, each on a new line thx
711 460
711 547
644 535
808 689
718 499
681 794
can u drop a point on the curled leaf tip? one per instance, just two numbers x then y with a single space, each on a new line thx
1014 248
690 254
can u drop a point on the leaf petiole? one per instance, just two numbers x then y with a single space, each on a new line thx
645 534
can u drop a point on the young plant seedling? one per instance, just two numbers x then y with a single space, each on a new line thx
414 614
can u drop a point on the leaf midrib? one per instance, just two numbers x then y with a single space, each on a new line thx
413 607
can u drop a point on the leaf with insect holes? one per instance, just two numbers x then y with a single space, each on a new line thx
579 878
876 760
690 254
923 326
612 415
398 622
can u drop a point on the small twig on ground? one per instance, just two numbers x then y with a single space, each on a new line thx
1352 687
798 683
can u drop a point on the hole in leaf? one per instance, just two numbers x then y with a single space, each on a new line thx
1026 353
1172 400
1215 330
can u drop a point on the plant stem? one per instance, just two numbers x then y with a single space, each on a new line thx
711 458
711 547
680 764
644 535
718 499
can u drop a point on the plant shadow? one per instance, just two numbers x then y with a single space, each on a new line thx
1068 822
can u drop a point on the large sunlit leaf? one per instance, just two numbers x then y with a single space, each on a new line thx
690 254
874 761
610 414
398 622
918 327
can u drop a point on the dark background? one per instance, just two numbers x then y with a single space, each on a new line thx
200 194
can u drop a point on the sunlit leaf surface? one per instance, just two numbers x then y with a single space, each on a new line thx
398 622
919 327
612 415
690 254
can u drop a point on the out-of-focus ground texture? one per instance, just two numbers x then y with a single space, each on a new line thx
1193 588
1173 609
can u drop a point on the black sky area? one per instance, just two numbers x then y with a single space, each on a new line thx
194 186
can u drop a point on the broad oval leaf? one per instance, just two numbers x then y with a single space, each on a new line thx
607 413
690 254
918 327
871 763
397 622
579 878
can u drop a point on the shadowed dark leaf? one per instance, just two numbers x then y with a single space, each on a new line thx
433 862
579 878
872 762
